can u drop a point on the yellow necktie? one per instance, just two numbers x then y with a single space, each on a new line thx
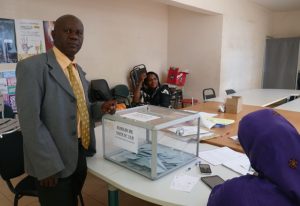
82 109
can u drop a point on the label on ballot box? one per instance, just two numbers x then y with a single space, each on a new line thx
233 105
126 136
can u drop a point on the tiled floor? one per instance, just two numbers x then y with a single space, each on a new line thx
94 194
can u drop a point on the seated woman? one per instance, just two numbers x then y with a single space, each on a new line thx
272 145
149 91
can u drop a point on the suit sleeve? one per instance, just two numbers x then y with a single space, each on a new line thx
40 152
96 111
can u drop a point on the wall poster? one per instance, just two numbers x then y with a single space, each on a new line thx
8 49
30 37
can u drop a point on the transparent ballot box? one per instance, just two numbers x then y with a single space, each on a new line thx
142 139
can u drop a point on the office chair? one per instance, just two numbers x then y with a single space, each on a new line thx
135 74
121 93
12 158
230 91
12 166
208 93
5 110
100 90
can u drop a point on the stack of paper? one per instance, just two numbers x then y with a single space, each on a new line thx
240 165
221 121
204 122
209 120
236 161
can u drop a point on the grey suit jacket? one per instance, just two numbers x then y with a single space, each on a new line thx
47 112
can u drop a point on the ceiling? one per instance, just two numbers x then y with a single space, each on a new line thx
279 5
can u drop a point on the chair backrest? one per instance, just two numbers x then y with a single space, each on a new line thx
230 91
100 90
11 155
5 110
121 93
208 93
135 74
120 90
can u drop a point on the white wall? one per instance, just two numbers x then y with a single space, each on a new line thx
286 24
194 43
245 27
119 34
124 33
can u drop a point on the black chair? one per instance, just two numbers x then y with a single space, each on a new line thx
12 162
12 165
121 93
135 74
230 91
208 93
100 90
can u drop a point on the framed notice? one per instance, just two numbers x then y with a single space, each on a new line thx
30 37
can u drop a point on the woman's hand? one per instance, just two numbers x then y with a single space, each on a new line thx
142 77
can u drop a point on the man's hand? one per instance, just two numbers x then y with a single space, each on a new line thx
49 181
109 107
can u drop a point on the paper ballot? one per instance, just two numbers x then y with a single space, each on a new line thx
184 182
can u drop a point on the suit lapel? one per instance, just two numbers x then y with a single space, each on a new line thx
58 74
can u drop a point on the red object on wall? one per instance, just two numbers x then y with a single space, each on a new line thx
176 77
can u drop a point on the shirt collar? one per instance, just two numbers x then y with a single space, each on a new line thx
62 59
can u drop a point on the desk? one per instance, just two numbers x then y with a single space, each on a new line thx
261 97
291 106
157 191
231 130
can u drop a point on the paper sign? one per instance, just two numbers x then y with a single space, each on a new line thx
126 136
140 116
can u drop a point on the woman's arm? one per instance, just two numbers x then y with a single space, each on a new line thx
137 91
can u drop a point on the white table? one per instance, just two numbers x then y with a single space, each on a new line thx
157 191
291 106
261 97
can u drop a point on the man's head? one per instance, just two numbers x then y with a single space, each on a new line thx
68 35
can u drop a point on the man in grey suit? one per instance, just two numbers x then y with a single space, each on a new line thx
49 94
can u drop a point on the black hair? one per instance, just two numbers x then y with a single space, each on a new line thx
146 79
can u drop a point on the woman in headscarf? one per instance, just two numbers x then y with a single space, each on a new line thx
150 91
273 147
